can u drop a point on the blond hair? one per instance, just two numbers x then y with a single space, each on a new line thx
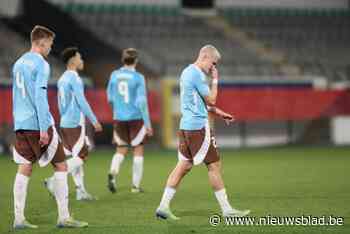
210 50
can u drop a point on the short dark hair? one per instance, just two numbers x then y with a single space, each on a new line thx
40 32
129 56
68 53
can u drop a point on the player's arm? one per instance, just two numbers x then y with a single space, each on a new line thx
78 91
110 90
210 94
221 114
41 103
211 98
141 103
203 90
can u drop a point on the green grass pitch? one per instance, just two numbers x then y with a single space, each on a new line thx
278 182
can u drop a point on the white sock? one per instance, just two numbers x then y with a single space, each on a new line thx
221 196
73 163
78 177
20 194
168 195
116 162
61 194
137 171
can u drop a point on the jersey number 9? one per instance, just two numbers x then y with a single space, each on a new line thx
123 90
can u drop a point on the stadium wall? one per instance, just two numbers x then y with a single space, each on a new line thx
96 97
265 114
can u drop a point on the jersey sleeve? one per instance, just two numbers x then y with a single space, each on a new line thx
110 90
141 101
41 101
200 85
78 91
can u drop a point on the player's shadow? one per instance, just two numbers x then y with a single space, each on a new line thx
199 213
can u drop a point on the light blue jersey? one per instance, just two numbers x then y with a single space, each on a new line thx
71 100
126 92
30 75
193 109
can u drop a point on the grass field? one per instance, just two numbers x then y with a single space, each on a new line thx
278 182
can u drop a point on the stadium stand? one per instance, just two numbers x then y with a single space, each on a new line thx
315 40
147 28
309 43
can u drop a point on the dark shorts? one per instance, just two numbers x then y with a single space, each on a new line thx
129 133
196 147
28 150
74 142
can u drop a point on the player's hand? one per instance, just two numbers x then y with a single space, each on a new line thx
44 138
228 118
214 73
149 132
98 127
225 116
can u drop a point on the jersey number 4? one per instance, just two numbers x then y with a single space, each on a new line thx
124 90
20 83
62 96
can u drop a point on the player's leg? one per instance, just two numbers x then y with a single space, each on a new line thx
60 186
20 194
213 162
78 177
137 133
189 144
69 137
121 138
217 183
24 154
74 141
174 179
116 163
137 169
74 167
61 191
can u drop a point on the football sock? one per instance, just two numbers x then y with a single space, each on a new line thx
116 162
20 194
73 163
78 177
168 195
137 171
61 194
221 196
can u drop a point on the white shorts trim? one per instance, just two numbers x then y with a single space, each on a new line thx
66 151
181 157
202 152
80 143
81 140
139 137
19 159
48 155
117 139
